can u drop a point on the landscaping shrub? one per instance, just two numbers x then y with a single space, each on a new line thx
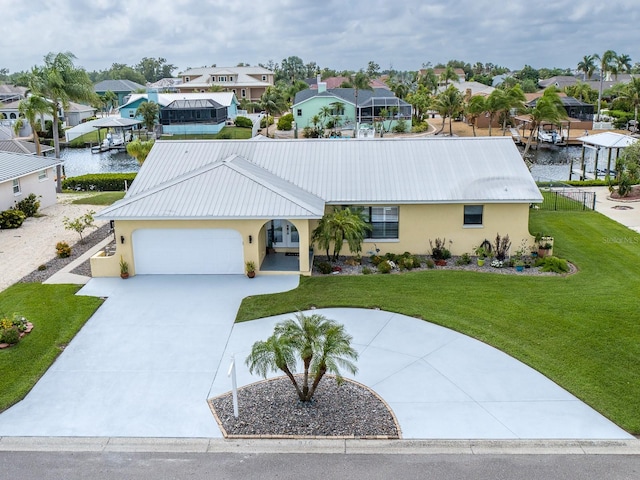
63 250
464 259
400 126
80 224
439 251
285 122
29 205
12 218
243 122
376 259
324 268
430 263
501 247
99 182
263 121
420 127
384 267
553 264
10 335
366 271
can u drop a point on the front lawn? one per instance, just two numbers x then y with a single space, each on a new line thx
101 198
57 315
582 331
227 133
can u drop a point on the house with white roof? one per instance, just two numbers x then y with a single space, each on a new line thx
207 207
23 174
187 113
244 82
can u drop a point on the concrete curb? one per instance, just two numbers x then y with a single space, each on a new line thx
341 446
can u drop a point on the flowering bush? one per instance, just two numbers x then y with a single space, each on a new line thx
11 328
497 264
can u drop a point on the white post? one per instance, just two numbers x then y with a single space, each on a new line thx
234 387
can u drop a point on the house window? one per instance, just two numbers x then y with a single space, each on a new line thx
299 112
42 175
222 79
186 79
383 222
16 186
131 114
473 214
264 78
243 93
234 91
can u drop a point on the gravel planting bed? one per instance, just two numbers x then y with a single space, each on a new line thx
271 408
56 263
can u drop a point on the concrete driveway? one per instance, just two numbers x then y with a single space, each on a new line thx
145 363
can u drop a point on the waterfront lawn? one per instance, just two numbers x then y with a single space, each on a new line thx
582 331
101 198
57 315
227 133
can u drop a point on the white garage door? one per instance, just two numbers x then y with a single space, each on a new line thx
188 251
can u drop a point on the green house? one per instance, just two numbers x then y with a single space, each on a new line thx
374 107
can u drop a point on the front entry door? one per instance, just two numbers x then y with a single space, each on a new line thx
285 234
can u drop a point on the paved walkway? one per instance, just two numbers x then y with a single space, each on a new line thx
625 213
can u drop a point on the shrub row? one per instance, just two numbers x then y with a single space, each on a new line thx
99 182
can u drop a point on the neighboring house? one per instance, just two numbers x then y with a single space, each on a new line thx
575 108
22 175
12 93
342 101
21 146
336 82
470 89
166 85
439 71
187 113
207 207
76 113
122 88
559 81
244 82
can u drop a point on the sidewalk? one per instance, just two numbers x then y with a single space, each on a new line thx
626 213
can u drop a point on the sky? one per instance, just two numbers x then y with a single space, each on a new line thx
338 34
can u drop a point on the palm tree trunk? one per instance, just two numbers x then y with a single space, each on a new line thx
56 144
288 373
528 146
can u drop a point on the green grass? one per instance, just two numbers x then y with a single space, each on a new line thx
582 331
102 198
57 315
89 137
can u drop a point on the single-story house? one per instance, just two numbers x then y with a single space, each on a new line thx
207 207
77 113
187 113
23 146
122 88
342 102
22 174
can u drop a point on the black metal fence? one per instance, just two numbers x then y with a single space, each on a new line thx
567 199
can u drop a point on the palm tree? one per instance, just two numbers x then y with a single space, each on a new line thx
60 82
111 99
339 226
475 107
623 63
449 104
607 65
449 73
587 66
30 107
495 103
513 99
321 343
631 92
273 103
548 108
149 112
139 149
359 81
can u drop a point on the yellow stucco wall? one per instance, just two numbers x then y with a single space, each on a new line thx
417 225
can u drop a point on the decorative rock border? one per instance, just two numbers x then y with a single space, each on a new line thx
22 334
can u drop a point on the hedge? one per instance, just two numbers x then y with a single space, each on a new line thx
99 182
243 122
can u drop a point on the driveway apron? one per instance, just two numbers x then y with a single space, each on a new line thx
143 365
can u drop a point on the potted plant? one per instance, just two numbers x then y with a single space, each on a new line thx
124 268
519 265
482 254
251 269
545 248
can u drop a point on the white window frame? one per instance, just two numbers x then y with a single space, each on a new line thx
299 112
16 186
43 175
243 93
264 78
222 78
466 214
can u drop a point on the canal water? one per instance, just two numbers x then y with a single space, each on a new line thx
548 163
80 161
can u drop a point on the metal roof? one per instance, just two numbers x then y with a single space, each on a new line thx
608 140
21 146
222 98
117 86
381 171
114 122
16 165
346 94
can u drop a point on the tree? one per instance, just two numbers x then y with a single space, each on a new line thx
495 103
631 93
139 149
607 65
111 99
513 99
449 104
623 63
154 69
421 101
60 82
475 107
31 107
292 69
359 81
273 103
448 74
548 108
582 91
373 69
337 227
321 343
587 66
149 112
80 224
